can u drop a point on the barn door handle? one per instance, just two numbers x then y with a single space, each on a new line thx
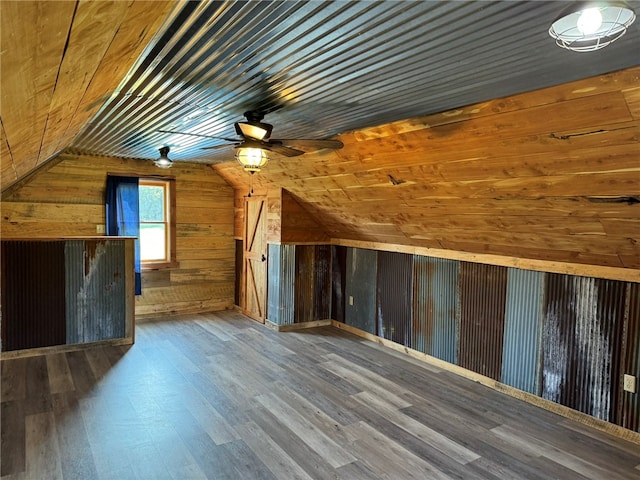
263 258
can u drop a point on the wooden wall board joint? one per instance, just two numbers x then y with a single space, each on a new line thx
597 271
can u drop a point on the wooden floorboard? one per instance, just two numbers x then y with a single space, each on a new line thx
219 396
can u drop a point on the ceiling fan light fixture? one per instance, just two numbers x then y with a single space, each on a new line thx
591 26
164 161
252 159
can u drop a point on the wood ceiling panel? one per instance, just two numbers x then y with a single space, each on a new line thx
94 26
8 172
632 96
60 62
33 49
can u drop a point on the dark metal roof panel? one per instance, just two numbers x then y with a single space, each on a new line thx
321 68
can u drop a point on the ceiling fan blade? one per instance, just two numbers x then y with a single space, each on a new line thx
308 143
218 147
201 136
282 150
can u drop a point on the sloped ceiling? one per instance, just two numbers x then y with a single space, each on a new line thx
104 77
60 62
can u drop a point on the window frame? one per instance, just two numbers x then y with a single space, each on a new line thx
169 185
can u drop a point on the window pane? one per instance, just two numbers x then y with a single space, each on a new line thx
151 199
152 242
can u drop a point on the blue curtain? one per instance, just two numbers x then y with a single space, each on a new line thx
123 215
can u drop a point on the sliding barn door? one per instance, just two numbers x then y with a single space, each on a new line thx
255 258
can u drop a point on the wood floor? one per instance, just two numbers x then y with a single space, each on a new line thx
220 396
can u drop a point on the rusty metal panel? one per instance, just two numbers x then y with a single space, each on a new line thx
281 284
629 404
482 306
322 283
95 290
583 320
522 329
360 307
304 283
338 281
394 296
434 329
33 304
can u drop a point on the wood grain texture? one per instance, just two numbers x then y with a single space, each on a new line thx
297 225
68 200
550 175
61 60
220 396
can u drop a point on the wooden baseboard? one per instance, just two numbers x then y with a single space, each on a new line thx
556 408
32 352
292 327
141 317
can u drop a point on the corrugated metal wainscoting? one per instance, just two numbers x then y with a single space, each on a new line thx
95 295
299 283
582 335
360 308
338 281
629 409
62 292
483 290
33 294
522 330
238 269
565 338
394 296
281 284
312 283
434 328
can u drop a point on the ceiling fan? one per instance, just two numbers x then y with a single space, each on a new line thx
254 134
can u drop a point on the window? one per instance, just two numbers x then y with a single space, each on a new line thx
157 223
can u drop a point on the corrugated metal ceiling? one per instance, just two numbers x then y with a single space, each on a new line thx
322 68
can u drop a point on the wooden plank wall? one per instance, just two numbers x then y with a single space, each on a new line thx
297 225
287 221
550 175
68 200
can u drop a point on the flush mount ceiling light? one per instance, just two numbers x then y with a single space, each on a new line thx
252 159
164 161
591 26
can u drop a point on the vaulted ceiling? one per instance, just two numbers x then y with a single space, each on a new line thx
104 77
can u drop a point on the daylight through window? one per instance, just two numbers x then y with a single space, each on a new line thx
155 221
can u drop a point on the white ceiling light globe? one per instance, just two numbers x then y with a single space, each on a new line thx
590 21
